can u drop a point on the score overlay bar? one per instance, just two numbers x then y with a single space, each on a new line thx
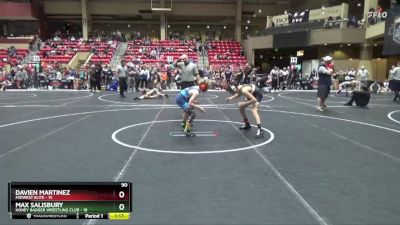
69 200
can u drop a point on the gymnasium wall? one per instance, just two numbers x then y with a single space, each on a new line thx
132 8
319 37
16 45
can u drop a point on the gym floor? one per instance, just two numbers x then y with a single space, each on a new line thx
336 167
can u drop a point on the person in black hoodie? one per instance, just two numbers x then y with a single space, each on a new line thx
360 97
97 77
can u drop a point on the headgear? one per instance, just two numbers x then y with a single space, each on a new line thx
203 86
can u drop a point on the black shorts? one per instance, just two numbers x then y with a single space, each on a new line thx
323 91
394 85
185 84
258 95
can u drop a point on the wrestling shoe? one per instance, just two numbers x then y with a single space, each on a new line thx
260 133
188 133
246 126
136 99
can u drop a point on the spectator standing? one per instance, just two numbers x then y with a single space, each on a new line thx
131 77
285 76
144 74
20 76
228 75
238 75
246 74
97 76
363 76
274 77
352 74
169 77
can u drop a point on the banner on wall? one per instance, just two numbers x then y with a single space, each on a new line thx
280 20
299 17
318 14
391 45
308 15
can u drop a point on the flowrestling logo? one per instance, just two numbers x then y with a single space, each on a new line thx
380 15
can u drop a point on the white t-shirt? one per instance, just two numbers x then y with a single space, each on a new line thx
284 72
396 73
274 73
363 74
352 72
59 75
121 71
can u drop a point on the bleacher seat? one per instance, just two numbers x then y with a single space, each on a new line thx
77 46
164 51
229 48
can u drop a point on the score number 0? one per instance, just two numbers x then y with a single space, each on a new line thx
121 194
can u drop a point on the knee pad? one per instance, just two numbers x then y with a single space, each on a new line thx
192 115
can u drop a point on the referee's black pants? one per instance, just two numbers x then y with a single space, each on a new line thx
122 85
185 84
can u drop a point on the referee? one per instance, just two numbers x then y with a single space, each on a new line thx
122 73
394 81
325 73
189 72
